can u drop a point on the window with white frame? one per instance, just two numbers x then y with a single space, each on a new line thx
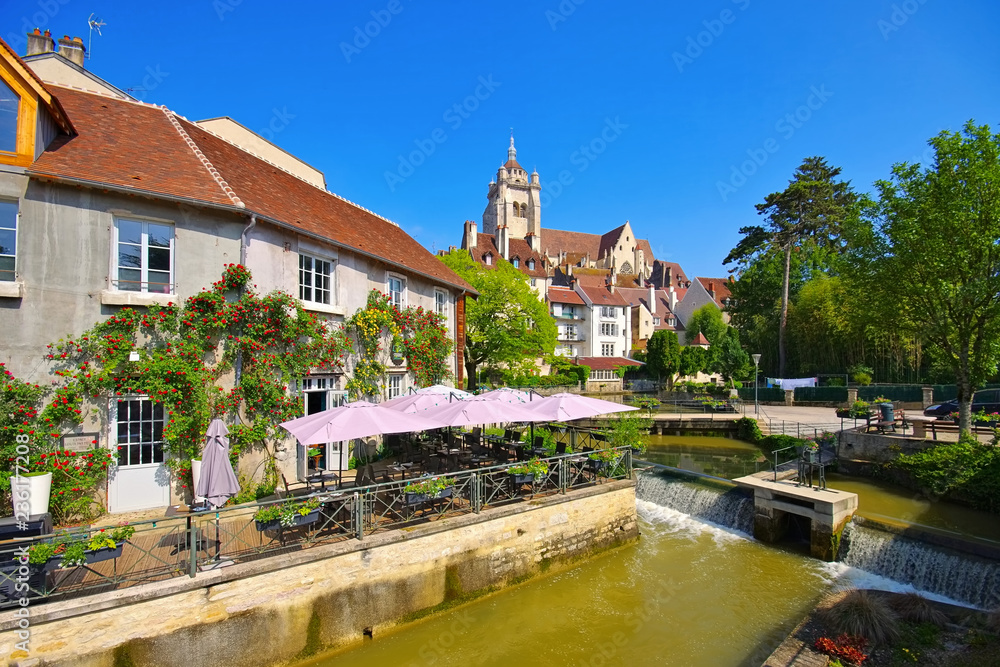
607 349
441 303
656 321
671 321
8 240
488 259
516 262
603 375
608 312
397 290
533 282
395 386
315 279
531 265
609 329
144 257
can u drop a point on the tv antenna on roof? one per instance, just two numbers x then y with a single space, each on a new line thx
95 23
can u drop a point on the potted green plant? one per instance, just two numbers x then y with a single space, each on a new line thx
599 460
427 488
314 453
528 472
286 515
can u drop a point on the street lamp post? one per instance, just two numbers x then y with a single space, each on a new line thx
756 364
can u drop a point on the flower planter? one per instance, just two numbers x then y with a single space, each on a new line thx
300 520
107 553
519 479
95 556
39 488
596 465
418 498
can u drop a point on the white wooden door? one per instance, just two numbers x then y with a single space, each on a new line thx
140 480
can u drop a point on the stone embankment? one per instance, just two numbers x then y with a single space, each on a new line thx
286 608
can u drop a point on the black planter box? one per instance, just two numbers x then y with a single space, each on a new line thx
519 479
300 520
418 498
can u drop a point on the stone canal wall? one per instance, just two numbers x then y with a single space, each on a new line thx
285 608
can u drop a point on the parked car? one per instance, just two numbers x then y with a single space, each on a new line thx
987 400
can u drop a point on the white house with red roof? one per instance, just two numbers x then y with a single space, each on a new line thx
106 201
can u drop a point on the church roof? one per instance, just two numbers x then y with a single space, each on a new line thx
578 244
512 164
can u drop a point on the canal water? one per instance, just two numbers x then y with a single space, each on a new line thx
687 594
695 590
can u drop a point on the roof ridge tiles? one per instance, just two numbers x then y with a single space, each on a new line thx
204 160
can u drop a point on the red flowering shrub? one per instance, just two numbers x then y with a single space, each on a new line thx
846 648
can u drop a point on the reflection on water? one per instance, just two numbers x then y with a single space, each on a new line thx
877 499
687 594
721 457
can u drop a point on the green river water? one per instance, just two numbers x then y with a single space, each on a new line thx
687 594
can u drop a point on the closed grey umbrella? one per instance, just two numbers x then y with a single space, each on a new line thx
218 482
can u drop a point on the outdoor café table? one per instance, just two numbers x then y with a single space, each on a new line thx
321 477
400 468
452 456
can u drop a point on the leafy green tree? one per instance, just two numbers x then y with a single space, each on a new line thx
707 320
663 356
812 208
507 323
929 254
730 359
694 360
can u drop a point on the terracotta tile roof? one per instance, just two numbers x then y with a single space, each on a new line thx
564 295
512 164
578 244
605 363
700 340
147 149
555 241
602 297
659 267
129 145
486 244
720 286
520 249
609 240
641 296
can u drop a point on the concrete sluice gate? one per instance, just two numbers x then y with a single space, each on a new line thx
772 512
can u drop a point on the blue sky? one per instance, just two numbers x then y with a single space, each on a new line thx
676 116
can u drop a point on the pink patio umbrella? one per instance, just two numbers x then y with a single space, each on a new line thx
355 420
507 395
566 407
481 410
425 398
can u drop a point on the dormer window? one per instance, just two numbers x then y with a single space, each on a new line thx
531 265
516 262
488 259
10 103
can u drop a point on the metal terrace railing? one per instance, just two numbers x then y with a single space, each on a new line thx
184 545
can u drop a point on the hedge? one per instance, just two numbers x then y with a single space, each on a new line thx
764 394
821 394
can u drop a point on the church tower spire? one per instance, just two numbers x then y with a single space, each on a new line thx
512 152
